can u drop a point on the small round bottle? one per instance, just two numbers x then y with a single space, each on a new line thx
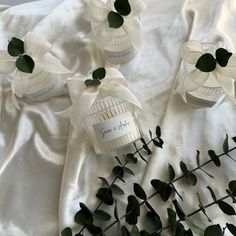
112 123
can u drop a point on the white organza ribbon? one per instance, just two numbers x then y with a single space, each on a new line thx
97 12
114 84
39 50
224 76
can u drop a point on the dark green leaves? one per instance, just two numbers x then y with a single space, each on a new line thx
222 56
206 63
212 193
25 64
158 131
115 20
122 7
226 144
99 73
118 172
102 215
214 158
139 192
145 146
179 210
172 218
105 195
116 189
171 172
226 208
190 177
131 158
153 221
135 231
162 188
15 47
67 232
232 187
124 231
213 230
132 210
83 215
231 228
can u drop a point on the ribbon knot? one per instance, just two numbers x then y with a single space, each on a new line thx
39 50
98 13
201 65
83 97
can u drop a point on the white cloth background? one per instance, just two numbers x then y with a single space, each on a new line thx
46 170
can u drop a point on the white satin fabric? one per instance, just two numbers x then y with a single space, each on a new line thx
46 169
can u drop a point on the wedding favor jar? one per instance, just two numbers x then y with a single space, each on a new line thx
112 123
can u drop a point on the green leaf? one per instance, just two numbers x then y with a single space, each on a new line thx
172 218
162 188
25 64
124 231
104 181
16 47
116 189
118 171
102 215
115 20
128 171
188 232
214 158
132 210
94 230
158 131
231 228
202 207
139 192
179 231
206 63
92 82
150 133
171 173
153 222
145 146
118 160
67 232
196 229
122 7
191 178
234 139
212 193
151 208
105 195
213 230
232 187
83 215
179 211
99 73
135 231
226 144
116 213
158 143
222 56
131 158
226 208
183 168
198 158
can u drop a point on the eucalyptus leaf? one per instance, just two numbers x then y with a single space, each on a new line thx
158 131
131 158
179 211
139 191
132 210
128 171
118 160
196 229
226 208
91 82
135 231
118 171
67 232
115 20
150 133
116 213
157 143
171 172
198 158
153 222
231 228
162 188
213 230
122 7
202 207
232 187
105 195
212 193
148 205
188 232
141 156
102 215
226 144
222 56
116 189
179 230
206 63
25 64
124 231
172 218
234 139
94 230
15 47
191 178
104 181
214 158
99 73
145 146
183 168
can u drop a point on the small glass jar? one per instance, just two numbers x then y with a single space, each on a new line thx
112 123
120 49
43 86
208 94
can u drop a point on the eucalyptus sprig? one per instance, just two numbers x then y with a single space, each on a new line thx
24 62
97 75
115 18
